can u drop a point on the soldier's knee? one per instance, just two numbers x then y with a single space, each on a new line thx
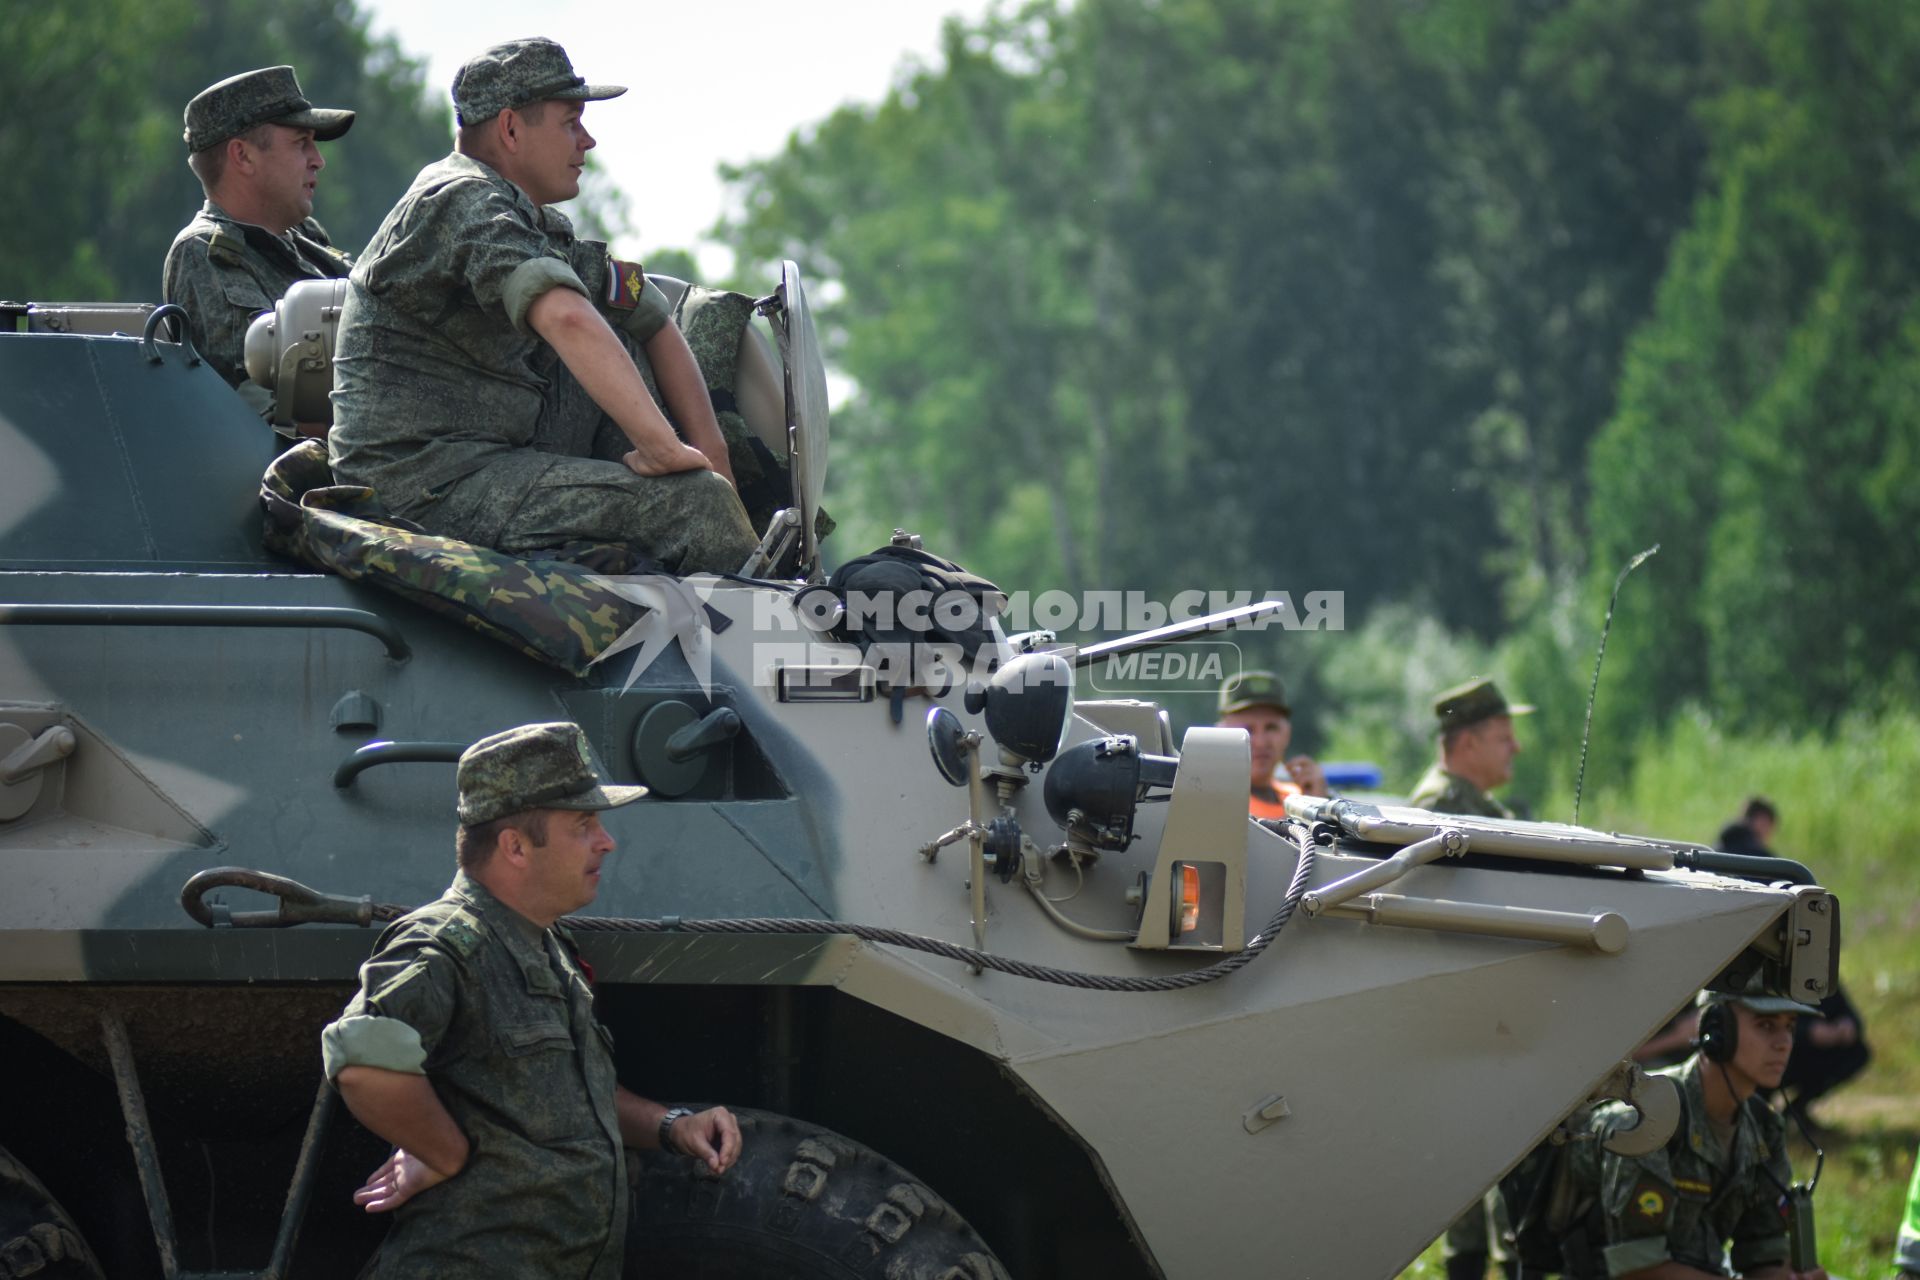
719 537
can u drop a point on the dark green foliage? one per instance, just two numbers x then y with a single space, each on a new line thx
93 152
1273 293
1767 430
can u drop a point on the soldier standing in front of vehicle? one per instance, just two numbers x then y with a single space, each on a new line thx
440 405
1710 1197
1256 701
472 1044
1477 748
251 140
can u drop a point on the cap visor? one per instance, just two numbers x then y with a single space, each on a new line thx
601 797
1780 1004
590 93
1281 707
327 123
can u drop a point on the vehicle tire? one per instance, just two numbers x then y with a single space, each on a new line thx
801 1203
37 1238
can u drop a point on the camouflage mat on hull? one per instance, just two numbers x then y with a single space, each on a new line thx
553 609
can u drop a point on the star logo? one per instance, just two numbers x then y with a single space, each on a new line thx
675 610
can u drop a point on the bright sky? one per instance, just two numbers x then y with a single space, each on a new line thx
720 81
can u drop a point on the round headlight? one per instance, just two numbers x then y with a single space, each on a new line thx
1028 704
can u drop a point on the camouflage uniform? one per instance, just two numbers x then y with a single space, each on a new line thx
1691 1197
1443 792
497 1013
438 406
445 400
225 272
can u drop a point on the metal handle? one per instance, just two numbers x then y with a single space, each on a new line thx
379 753
168 311
210 615
298 903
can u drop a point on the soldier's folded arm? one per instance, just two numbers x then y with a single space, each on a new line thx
580 335
376 1054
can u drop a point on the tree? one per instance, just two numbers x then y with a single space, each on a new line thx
95 98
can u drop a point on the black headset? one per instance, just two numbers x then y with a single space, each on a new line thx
1719 1032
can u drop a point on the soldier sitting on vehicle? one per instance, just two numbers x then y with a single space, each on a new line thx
251 140
446 400
1256 701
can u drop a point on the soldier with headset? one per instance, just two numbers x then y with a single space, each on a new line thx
1709 1202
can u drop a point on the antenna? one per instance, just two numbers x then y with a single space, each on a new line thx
1586 734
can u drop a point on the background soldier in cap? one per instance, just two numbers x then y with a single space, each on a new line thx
1257 702
472 1044
1712 1194
251 141
1477 748
441 402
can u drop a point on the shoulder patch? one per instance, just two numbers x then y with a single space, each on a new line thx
1648 1201
625 283
459 932
225 248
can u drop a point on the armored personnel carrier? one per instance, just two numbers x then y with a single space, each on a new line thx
1004 981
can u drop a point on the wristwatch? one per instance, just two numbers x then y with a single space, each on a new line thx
667 1118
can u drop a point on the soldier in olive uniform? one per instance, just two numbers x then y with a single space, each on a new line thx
1709 1198
472 1044
446 397
1477 748
251 142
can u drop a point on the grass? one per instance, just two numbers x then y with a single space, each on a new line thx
1847 811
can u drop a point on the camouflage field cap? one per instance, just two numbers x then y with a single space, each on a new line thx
1470 703
1254 689
536 766
270 95
1756 997
516 73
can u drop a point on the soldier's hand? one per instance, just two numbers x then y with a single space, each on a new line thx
712 1135
399 1180
1308 775
665 459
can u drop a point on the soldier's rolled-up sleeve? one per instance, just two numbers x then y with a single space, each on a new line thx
529 280
400 1018
508 261
649 316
